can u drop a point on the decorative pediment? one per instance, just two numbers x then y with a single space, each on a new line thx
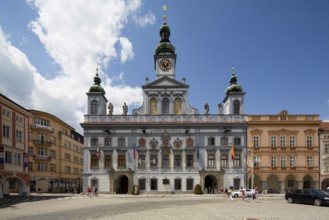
256 132
166 82
310 131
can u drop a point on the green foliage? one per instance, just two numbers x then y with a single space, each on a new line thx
198 190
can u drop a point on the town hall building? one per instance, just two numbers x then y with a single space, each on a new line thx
165 145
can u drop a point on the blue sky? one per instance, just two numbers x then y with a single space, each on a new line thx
280 50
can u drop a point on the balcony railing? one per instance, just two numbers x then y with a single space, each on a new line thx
42 142
41 157
43 127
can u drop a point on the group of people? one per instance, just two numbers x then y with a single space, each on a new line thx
230 192
92 191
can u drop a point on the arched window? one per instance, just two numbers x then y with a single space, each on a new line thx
94 107
153 106
236 107
178 106
165 106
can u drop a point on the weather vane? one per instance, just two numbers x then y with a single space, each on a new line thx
164 8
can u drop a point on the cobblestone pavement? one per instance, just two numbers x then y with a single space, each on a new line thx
117 207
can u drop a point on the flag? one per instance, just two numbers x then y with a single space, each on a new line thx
134 152
232 152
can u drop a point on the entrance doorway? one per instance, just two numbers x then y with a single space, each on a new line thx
210 184
122 185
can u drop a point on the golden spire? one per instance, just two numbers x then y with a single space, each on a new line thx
233 70
164 8
96 70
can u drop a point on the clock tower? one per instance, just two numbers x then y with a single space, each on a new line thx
165 56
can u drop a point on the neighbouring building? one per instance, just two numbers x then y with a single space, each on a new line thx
283 152
324 154
14 121
166 145
55 154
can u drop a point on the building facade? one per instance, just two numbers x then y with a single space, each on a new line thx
55 154
14 121
166 145
324 154
283 152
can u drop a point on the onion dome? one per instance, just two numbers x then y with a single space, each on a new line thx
97 84
234 87
164 46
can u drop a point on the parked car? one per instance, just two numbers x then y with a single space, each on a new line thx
238 192
308 196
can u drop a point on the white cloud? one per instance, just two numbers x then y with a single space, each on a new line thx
78 35
149 18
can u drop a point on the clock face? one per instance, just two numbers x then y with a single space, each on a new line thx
165 65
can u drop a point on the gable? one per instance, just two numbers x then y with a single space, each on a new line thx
165 82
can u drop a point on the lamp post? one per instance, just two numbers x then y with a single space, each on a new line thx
147 162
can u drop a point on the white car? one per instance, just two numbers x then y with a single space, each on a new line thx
238 193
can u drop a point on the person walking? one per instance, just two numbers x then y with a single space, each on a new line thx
243 193
230 194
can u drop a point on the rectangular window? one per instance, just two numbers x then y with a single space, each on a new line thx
142 184
283 141
42 167
94 142
81 161
283 161
273 141
326 166
177 160
75 148
53 154
30 150
30 166
237 141
75 159
211 160
309 161
52 168
189 160
326 148
237 160
108 141
19 136
94 160
292 141
17 159
309 141
141 160
67 145
256 141
189 184
165 181
75 171
292 161
67 169
122 161
8 157
108 161
40 121
42 151
154 160
5 131
256 161
165 161
121 142
67 157
211 141
178 184
154 184
224 141
273 161
223 160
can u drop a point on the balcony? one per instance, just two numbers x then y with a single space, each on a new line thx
41 157
42 143
43 127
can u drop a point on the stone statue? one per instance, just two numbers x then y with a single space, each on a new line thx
220 108
110 107
125 109
206 108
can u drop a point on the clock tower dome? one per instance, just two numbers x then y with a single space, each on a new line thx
165 56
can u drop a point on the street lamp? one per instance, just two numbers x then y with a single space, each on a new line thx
147 162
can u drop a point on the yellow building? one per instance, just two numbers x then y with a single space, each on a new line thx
55 154
324 154
14 120
283 152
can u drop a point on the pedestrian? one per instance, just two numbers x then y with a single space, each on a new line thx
39 191
89 190
230 194
95 190
221 190
253 194
243 193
